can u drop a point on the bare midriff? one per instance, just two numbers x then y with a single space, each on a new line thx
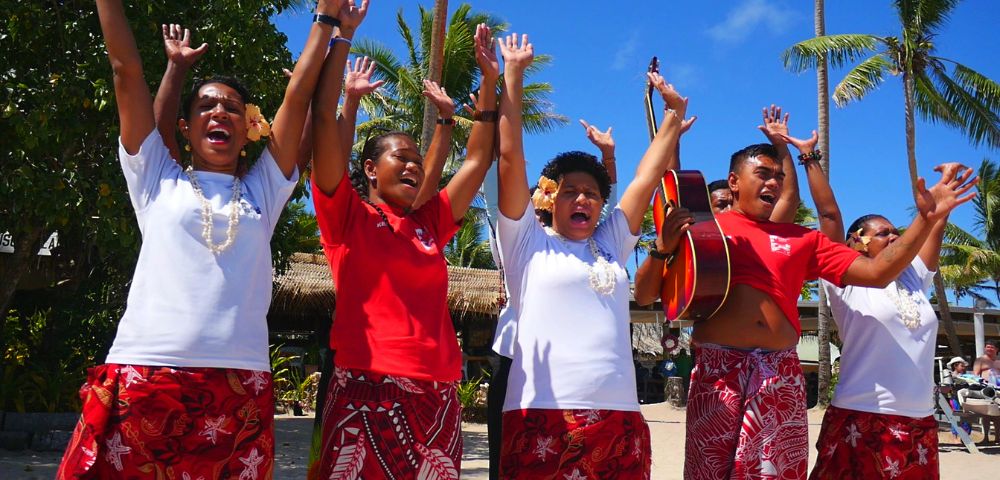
749 319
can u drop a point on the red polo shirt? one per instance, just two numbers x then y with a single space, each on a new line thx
392 285
777 258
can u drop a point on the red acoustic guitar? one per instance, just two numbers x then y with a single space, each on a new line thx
696 281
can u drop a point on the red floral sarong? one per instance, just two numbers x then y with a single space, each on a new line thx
855 444
574 444
746 415
384 426
174 423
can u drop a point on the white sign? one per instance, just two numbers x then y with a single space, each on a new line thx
7 244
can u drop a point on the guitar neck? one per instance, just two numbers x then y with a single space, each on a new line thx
650 113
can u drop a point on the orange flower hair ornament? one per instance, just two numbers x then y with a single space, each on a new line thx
544 197
257 125
860 242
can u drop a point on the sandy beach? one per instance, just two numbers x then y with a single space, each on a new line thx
666 424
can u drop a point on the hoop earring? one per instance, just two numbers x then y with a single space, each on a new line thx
187 148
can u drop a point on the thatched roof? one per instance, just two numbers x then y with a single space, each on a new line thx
646 339
307 289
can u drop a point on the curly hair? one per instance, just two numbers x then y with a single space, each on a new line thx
576 161
374 148
228 81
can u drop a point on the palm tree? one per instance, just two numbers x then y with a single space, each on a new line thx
961 98
468 248
970 265
399 105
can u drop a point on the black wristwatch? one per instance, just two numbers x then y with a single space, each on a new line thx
658 254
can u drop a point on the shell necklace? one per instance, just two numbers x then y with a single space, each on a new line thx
206 213
907 303
601 274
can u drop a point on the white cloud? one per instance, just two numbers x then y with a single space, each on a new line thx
626 52
750 15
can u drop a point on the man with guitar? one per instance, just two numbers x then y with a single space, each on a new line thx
746 412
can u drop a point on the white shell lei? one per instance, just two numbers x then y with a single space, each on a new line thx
206 213
907 303
601 273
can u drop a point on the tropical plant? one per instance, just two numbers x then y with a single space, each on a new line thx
468 248
970 264
961 98
399 104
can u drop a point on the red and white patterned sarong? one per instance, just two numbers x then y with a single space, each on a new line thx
176 423
574 444
746 415
855 444
384 426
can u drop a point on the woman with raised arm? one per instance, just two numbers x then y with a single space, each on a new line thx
571 409
392 409
881 423
186 390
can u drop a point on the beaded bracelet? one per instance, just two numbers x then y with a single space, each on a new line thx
810 156
485 115
446 121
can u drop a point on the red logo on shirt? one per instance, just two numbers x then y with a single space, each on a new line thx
427 242
780 245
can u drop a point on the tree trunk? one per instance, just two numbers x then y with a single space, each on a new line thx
24 252
945 313
944 310
434 70
823 121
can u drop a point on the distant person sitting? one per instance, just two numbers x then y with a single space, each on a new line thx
956 368
987 366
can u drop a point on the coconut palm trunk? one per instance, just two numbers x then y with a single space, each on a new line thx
434 67
823 121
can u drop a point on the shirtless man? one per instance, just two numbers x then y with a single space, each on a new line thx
746 414
987 363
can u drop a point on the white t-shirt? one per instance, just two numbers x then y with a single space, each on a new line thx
884 366
187 306
572 347
503 337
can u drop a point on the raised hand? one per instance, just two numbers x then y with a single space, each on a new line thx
358 81
775 127
177 45
352 15
516 56
602 140
486 54
671 97
950 191
803 146
439 97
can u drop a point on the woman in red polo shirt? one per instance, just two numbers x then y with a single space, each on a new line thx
391 408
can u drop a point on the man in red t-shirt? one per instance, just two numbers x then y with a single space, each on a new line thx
746 412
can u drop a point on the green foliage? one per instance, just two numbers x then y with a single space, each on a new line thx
468 248
970 264
469 393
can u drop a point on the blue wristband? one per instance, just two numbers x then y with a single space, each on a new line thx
334 40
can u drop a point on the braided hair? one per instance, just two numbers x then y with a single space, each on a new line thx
374 148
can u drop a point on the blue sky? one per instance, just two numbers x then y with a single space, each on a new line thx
724 55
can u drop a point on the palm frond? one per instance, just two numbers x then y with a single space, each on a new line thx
863 78
980 123
407 34
840 50
931 105
924 16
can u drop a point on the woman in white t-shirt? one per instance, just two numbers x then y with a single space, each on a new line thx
880 424
571 410
186 387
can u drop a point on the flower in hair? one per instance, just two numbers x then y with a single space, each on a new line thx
257 125
861 241
545 195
